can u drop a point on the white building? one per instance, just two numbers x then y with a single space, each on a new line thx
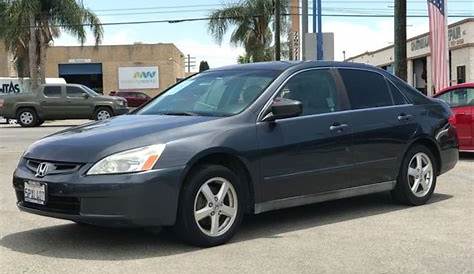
461 57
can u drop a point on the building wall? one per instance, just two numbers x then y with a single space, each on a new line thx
166 57
461 45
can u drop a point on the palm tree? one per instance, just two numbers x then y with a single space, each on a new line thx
29 27
252 20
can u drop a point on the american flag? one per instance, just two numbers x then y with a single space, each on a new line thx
438 44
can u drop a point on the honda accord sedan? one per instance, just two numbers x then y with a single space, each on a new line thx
240 140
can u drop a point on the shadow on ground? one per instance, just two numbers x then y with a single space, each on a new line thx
92 243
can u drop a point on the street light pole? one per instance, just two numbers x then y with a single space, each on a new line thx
319 40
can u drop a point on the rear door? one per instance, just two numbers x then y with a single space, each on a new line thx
53 102
382 123
310 153
79 103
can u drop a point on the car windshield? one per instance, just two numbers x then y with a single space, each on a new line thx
214 93
90 91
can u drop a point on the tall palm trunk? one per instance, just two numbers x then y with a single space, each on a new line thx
32 54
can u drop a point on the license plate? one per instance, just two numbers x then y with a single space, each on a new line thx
35 192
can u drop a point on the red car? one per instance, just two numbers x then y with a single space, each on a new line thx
461 99
134 98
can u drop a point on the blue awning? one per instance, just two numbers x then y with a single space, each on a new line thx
80 69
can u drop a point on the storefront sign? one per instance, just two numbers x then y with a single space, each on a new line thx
13 85
78 61
139 78
455 37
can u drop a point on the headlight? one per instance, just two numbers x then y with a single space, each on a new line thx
134 160
121 103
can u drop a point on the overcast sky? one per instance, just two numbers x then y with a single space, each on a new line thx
354 35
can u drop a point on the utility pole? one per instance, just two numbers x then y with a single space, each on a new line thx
319 49
277 30
400 45
304 27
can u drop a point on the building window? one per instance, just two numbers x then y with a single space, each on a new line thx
461 74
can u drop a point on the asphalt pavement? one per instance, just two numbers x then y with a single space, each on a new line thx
368 234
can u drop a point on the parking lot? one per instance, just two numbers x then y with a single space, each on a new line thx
356 235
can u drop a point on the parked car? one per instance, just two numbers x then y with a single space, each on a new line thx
461 99
243 139
134 98
59 102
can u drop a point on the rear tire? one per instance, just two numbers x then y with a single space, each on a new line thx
417 178
103 113
27 117
211 206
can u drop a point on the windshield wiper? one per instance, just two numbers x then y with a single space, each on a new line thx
179 113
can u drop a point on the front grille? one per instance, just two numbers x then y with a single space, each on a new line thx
58 204
53 167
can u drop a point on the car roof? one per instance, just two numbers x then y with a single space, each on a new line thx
463 85
284 65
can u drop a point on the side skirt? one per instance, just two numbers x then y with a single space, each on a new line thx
322 197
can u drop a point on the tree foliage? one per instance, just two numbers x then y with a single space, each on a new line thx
43 20
252 20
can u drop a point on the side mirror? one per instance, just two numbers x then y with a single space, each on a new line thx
85 95
284 108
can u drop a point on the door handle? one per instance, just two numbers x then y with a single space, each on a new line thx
338 127
404 117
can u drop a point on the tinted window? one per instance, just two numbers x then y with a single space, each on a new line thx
365 89
52 91
213 93
398 98
413 95
315 89
445 97
74 92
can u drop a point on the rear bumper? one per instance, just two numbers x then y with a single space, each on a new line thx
449 158
145 199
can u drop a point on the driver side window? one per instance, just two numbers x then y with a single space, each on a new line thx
315 89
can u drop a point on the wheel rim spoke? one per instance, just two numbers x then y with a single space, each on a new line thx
206 191
415 186
203 213
228 211
222 192
214 224
412 172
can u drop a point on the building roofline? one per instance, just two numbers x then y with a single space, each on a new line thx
466 20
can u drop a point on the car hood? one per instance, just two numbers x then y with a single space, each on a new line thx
93 141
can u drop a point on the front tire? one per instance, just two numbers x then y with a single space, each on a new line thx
27 117
103 113
211 206
417 179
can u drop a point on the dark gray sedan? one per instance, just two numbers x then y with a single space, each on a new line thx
242 140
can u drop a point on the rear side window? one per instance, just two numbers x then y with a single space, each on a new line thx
315 89
365 89
74 92
52 91
411 93
461 97
398 98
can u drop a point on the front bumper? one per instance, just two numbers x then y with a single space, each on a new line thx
141 199
121 110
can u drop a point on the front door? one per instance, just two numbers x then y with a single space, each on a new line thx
310 153
79 103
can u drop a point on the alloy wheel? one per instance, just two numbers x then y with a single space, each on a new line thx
420 174
215 207
26 118
103 115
